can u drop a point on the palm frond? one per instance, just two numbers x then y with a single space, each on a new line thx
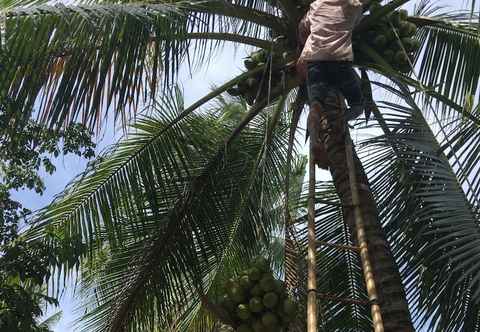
75 62
461 146
70 56
429 219
449 58
10 4
51 320
296 110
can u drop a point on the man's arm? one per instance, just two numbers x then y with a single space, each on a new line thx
303 31
302 36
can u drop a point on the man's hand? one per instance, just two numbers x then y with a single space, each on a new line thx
358 3
301 69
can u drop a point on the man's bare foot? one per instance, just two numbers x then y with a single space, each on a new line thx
315 124
320 156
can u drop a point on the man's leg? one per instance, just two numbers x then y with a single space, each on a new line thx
317 81
349 85
316 122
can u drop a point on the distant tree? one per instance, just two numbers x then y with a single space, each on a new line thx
26 148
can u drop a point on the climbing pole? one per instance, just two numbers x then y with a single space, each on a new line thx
361 248
362 238
312 246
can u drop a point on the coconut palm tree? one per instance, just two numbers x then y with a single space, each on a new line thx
171 213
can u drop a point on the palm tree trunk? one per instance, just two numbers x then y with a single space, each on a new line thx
392 297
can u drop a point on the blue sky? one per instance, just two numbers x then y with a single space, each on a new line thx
222 68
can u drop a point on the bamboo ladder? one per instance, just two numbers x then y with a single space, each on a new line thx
362 248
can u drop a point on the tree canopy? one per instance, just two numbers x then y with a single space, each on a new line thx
194 192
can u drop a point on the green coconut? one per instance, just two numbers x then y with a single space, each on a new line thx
255 304
254 274
407 42
245 282
389 35
289 307
222 299
401 57
279 287
395 18
286 319
267 282
380 41
404 29
244 328
273 328
258 326
270 300
228 304
243 312
262 264
231 281
403 14
416 44
269 319
412 29
389 55
236 294
257 290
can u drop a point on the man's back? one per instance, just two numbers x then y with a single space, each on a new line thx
331 23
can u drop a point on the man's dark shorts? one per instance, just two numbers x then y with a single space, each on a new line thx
339 75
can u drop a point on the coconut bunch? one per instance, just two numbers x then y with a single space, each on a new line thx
257 302
392 37
250 88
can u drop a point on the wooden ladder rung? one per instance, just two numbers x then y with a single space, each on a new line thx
338 246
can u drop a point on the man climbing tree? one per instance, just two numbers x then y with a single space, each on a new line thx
326 61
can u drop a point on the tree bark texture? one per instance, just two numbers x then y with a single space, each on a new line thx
392 297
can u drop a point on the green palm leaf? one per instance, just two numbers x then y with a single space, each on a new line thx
461 144
430 220
78 60
450 56
50 321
